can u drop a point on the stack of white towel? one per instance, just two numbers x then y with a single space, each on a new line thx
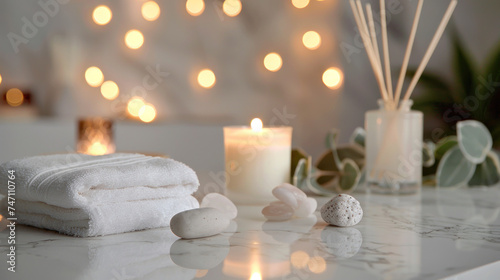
86 195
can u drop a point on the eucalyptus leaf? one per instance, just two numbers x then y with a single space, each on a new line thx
312 183
358 137
350 176
428 158
300 175
443 145
487 173
454 170
331 142
353 152
474 140
297 155
362 177
318 189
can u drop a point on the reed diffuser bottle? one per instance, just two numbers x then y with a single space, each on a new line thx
394 133
394 148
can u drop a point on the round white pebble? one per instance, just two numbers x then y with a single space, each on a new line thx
306 207
277 211
220 202
200 222
289 194
343 210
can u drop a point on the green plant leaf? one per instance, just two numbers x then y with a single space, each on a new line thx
329 170
350 175
465 70
493 65
443 145
487 173
300 175
358 137
430 81
474 140
354 152
312 183
297 155
428 158
331 143
362 177
488 105
454 170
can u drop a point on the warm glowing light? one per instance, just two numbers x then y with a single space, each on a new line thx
97 149
150 11
195 7
0 79
317 265
134 39
231 7
206 78
332 78
311 40
94 76
273 62
134 105
102 15
110 90
14 97
256 124
256 276
201 273
147 113
299 259
300 3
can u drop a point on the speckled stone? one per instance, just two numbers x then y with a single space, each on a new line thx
343 210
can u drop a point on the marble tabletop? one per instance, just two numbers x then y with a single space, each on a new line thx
433 235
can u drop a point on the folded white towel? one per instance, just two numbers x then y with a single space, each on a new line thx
86 195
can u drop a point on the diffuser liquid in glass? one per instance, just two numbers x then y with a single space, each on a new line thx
394 149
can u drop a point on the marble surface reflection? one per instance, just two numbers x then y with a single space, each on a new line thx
432 235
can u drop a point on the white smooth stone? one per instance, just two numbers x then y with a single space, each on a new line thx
278 212
203 253
200 222
306 207
289 194
343 210
342 242
220 202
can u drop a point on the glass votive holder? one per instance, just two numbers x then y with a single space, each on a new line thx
95 136
394 149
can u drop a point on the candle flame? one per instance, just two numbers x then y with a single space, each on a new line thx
256 124
97 148
256 276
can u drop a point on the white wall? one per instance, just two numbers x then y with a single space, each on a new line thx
52 63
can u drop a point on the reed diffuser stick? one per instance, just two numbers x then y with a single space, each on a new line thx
385 46
373 34
363 29
431 48
409 46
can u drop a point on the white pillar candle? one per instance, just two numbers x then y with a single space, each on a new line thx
257 160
